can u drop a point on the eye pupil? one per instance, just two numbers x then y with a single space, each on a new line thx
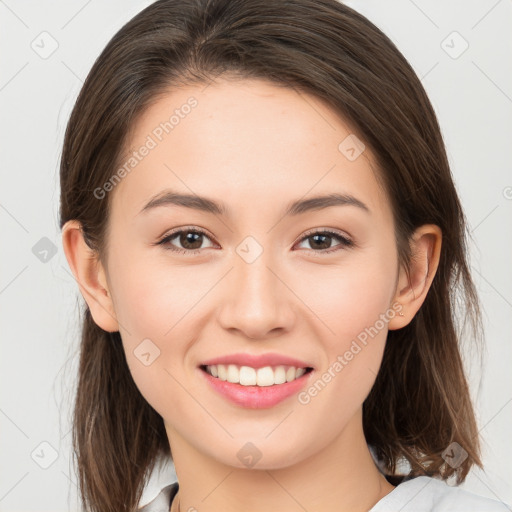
192 238
323 245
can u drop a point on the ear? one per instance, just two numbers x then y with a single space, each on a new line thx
90 276
413 286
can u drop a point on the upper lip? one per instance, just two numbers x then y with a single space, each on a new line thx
257 361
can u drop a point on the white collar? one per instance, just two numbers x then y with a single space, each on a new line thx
163 475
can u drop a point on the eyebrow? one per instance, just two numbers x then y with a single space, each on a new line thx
171 198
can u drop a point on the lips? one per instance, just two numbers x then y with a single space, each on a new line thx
257 361
256 381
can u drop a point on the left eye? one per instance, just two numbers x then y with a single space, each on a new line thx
191 241
321 239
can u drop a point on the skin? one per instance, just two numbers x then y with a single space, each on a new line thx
256 147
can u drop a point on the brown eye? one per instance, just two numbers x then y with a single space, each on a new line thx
190 240
322 241
185 241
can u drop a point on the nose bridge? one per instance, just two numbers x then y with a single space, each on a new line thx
255 280
252 262
257 301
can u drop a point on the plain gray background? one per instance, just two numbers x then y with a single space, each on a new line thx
462 52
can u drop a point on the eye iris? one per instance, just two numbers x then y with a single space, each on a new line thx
188 237
323 244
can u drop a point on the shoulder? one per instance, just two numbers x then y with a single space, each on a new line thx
426 494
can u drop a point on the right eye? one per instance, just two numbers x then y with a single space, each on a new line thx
190 240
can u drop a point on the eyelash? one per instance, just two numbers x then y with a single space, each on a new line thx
344 241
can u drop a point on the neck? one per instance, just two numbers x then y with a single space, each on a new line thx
342 477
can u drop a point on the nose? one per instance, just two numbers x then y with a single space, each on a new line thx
256 301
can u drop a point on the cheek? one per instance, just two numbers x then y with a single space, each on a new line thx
157 306
350 298
153 296
352 308
353 304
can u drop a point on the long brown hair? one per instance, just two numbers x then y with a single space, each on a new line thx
420 402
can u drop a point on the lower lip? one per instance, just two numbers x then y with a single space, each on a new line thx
256 397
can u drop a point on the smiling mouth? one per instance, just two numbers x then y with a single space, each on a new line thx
248 376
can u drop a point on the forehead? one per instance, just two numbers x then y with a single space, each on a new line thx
243 139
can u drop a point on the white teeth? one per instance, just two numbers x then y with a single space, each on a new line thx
247 376
221 369
233 373
265 376
279 375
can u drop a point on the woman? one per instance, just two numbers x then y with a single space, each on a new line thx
258 209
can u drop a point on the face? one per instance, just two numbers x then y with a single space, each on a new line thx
258 276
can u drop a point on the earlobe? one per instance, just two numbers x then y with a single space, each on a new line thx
90 276
413 285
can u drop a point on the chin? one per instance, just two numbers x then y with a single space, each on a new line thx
261 455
